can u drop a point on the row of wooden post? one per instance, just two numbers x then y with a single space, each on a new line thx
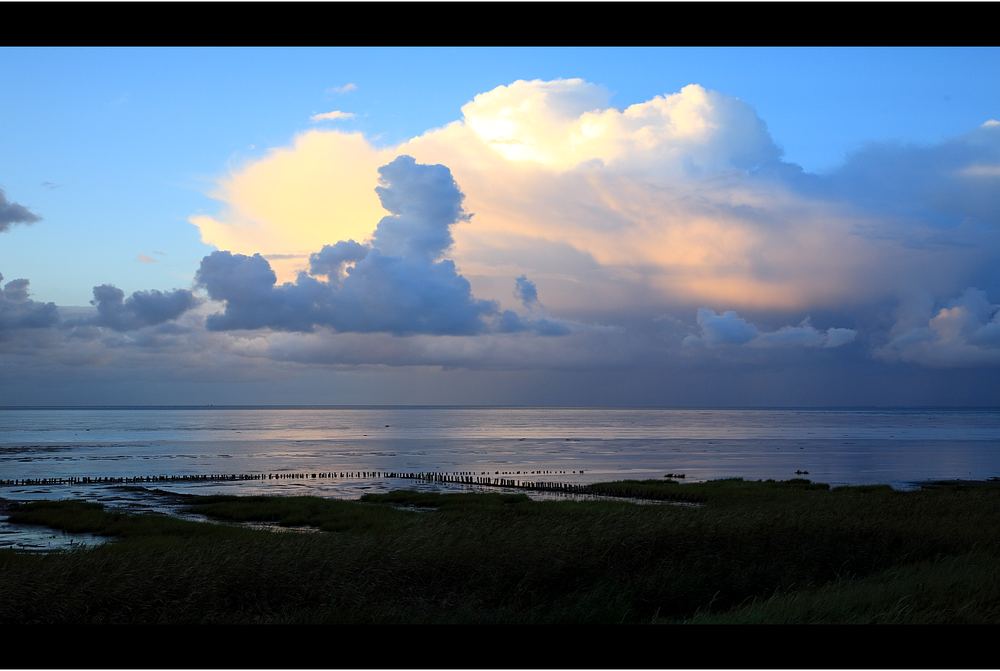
495 479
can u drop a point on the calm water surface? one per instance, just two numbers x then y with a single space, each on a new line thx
897 447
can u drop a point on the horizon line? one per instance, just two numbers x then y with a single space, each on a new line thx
446 406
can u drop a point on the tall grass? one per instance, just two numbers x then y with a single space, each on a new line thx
754 552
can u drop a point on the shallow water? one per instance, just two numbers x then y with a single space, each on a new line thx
897 447
34 538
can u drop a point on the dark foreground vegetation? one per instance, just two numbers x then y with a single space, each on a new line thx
778 552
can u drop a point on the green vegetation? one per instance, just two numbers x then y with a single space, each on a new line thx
791 551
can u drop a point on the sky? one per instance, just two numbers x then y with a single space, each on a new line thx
605 226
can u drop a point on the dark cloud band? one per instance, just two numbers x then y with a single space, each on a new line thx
398 283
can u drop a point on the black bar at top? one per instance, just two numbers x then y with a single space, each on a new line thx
499 24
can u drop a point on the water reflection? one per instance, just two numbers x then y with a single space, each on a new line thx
34 538
839 447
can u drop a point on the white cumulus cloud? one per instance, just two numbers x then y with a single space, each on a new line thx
664 205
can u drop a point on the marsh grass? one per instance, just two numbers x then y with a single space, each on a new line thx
789 551
955 589
301 511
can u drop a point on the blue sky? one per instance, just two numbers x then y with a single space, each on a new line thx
889 265
134 138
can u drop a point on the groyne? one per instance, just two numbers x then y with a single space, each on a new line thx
516 479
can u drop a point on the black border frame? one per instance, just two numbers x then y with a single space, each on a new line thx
76 24
491 23
500 647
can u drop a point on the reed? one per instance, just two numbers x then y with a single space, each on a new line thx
791 551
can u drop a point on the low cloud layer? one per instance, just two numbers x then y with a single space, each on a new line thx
729 329
13 213
963 332
141 309
17 311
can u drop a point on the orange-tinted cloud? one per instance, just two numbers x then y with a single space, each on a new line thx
679 200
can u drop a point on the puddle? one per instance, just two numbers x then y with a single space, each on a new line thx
559 496
414 509
263 526
34 538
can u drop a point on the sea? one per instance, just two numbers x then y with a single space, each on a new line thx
899 447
